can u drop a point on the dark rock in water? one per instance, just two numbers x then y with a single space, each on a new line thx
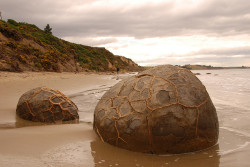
162 110
46 105
197 73
208 73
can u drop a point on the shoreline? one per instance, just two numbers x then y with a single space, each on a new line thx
13 85
34 144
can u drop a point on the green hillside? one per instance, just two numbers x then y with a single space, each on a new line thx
25 47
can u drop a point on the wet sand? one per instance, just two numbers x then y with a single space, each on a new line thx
13 85
62 145
24 145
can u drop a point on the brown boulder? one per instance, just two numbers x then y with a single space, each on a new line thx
46 105
162 110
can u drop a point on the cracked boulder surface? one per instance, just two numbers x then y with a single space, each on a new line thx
44 104
162 110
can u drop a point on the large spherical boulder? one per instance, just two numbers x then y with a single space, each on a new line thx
46 105
162 110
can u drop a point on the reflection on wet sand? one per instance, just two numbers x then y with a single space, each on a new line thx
23 123
106 155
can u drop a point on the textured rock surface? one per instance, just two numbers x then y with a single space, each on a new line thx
162 110
46 105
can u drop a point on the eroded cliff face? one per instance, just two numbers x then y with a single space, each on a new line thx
25 47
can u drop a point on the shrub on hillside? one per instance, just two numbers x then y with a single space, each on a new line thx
13 22
48 29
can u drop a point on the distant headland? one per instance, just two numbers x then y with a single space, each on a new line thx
209 67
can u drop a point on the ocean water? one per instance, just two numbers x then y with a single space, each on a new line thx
230 93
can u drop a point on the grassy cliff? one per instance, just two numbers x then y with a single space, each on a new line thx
25 47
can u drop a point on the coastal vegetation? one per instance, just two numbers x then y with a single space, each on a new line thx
25 47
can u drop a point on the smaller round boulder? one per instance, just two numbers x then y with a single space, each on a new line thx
44 104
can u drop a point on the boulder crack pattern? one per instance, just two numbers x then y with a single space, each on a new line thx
149 96
46 105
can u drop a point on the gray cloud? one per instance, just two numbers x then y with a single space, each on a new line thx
227 52
92 41
218 57
214 61
224 17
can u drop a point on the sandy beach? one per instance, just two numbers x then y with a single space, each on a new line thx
13 85
26 144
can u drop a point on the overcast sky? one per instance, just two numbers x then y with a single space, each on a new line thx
150 32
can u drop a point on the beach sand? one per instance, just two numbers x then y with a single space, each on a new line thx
26 144
13 85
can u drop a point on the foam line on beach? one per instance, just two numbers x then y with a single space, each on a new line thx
236 131
7 125
219 102
234 150
89 92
